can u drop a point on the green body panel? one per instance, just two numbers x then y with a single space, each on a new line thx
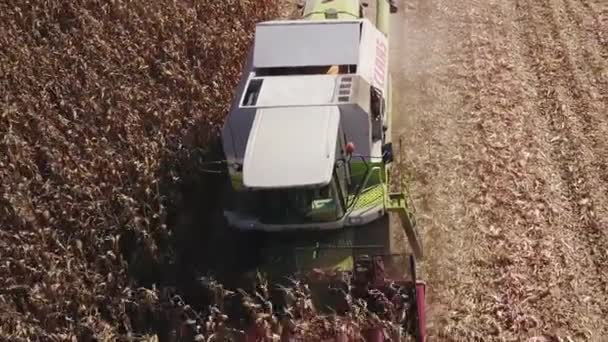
389 107
236 179
359 170
383 11
293 252
345 9
323 258
374 192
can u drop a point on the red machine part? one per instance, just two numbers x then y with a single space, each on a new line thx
375 335
420 308
350 148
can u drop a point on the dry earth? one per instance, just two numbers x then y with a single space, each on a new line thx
503 122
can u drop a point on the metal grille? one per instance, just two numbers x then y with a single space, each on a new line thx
345 88
370 197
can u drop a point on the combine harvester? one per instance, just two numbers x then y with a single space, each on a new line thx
309 150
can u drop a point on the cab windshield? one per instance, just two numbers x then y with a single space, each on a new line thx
295 205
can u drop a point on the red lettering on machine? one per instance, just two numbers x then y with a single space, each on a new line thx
380 64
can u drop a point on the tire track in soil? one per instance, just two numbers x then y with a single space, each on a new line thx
582 62
560 89
512 191
426 164
462 286
587 35
432 108
480 290
599 31
578 105
478 52
517 316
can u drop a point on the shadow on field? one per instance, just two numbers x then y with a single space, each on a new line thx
196 244
201 240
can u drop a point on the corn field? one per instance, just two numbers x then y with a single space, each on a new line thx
105 107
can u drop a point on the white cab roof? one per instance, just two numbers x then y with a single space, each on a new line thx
291 147
306 43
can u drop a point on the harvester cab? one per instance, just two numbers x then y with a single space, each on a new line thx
308 139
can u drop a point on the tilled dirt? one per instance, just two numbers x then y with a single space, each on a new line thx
503 121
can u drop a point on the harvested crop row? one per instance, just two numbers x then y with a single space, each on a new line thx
505 113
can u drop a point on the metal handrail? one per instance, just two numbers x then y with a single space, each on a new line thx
324 12
330 247
363 187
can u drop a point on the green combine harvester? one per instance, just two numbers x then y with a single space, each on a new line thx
308 140
309 147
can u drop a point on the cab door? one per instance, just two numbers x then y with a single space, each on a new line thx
342 170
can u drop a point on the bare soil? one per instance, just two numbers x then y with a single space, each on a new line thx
503 120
